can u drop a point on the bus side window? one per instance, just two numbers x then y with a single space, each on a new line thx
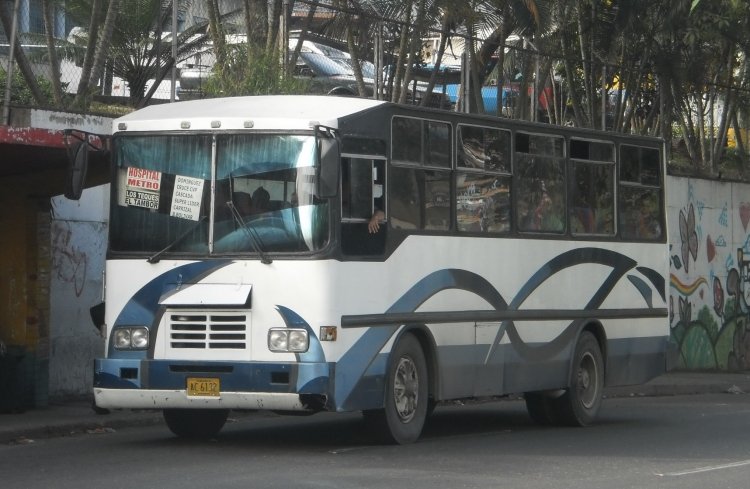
356 189
541 183
592 178
362 197
639 214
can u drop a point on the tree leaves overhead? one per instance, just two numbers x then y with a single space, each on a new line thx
673 68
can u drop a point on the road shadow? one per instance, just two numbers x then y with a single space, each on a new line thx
272 432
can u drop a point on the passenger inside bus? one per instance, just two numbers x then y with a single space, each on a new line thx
260 200
545 216
373 226
362 207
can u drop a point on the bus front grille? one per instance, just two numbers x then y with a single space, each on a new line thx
191 330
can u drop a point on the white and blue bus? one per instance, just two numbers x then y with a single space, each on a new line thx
304 254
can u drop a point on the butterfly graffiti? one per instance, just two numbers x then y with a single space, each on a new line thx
688 236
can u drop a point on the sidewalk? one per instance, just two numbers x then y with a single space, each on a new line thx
65 419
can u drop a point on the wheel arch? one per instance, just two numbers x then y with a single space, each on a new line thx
595 327
426 340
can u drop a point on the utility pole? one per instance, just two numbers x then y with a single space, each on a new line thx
378 62
173 90
284 39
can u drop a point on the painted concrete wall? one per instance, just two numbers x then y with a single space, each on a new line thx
78 243
710 273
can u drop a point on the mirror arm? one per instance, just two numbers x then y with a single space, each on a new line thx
78 143
328 159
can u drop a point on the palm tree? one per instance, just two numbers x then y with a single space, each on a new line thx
82 99
48 8
138 50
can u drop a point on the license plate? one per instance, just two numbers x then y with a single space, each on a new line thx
204 387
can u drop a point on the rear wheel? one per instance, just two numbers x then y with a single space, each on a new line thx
406 396
195 423
581 402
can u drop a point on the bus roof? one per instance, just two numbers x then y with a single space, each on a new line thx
295 112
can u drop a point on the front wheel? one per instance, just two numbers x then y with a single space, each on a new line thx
581 402
195 423
406 395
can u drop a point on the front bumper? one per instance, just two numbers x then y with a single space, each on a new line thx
162 384
178 399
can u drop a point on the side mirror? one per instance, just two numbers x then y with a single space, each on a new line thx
329 164
77 166
97 316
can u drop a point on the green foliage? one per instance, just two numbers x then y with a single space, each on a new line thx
251 70
725 344
706 318
112 110
20 93
696 350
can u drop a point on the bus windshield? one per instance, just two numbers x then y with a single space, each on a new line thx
254 193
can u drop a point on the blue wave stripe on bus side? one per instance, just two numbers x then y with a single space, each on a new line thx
620 265
656 279
357 361
643 288
361 356
143 306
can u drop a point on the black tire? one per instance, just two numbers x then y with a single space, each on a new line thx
406 395
195 423
581 402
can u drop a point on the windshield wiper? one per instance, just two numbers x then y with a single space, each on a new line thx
156 256
255 240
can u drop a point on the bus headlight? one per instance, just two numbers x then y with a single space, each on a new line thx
288 340
131 338
139 338
297 340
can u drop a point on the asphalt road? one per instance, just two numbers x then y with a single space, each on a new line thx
685 442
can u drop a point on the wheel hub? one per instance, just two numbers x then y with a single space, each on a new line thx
406 389
588 377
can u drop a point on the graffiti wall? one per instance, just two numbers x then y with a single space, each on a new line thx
78 236
709 226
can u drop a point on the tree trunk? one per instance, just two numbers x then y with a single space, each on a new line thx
727 112
413 48
102 46
740 143
274 14
256 20
402 55
302 35
49 31
438 60
355 58
586 66
81 100
575 98
216 30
